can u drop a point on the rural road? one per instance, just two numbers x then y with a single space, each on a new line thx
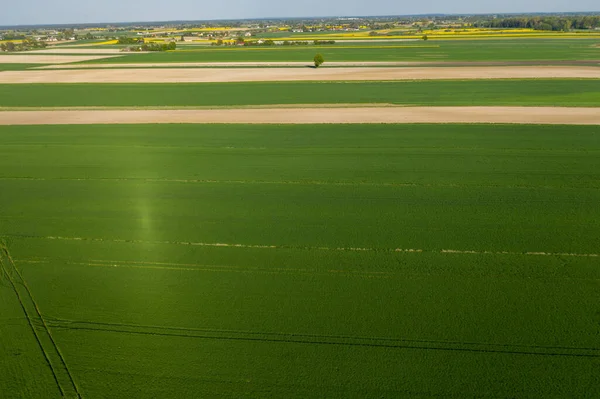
176 75
522 115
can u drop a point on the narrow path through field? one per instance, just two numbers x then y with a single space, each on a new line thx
520 115
176 75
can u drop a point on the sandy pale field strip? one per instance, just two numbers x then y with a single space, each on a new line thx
232 64
329 64
49 59
525 115
185 75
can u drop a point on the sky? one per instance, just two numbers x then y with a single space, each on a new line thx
86 11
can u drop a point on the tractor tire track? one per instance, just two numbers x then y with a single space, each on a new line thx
341 340
256 270
50 351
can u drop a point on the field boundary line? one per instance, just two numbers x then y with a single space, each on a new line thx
308 247
43 326
212 107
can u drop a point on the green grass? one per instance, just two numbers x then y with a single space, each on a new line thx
442 50
106 225
283 331
568 92
16 67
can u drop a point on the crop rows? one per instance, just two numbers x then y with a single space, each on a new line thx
451 50
305 261
567 92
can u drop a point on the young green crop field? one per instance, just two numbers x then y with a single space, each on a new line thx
300 261
555 92
433 50
16 67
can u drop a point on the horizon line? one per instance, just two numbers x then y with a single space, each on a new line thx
176 21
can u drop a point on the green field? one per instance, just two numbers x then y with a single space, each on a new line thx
16 67
557 92
304 261
432 50
275 261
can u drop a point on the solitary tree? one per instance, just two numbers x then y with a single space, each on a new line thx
319 60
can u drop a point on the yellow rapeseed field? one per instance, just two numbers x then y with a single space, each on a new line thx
107 42
443 34
220 29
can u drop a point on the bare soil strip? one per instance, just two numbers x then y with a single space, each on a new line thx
187 75
328 64
228 64
520 115
49 59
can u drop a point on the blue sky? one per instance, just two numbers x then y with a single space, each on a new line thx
85 11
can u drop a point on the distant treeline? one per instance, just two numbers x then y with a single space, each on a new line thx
543 23
13 36
159 46
269 42
294 43
130 40
153 47
27 44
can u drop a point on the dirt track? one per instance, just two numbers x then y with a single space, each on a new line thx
525 115
176 75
